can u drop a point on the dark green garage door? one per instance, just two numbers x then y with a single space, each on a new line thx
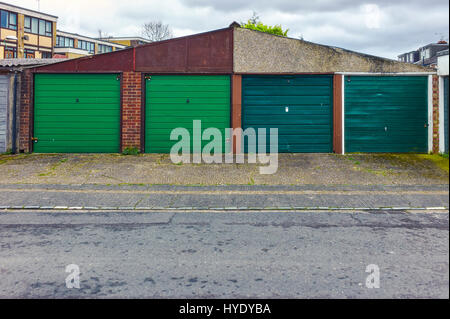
77 113
386 114
174 101
300 106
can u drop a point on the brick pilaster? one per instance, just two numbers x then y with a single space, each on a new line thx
435 85
25 112
131 110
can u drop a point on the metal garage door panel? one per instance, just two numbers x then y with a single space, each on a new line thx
77 113
300 106
386 114
4 87
174 101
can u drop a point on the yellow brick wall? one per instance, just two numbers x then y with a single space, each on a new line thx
20 34
6 32
54 37
45 41
74 55
124 42
32 39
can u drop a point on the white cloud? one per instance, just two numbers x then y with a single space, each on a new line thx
372 15
380 27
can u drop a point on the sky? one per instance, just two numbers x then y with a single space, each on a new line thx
384 28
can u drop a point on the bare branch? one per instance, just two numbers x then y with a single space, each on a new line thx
156 31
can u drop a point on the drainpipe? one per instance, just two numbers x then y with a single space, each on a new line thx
14 114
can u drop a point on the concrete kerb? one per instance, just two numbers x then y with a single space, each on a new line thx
214 209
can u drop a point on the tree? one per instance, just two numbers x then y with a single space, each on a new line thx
255 18
255 24
156 31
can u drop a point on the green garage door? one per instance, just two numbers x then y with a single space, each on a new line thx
77 113
300 106
174 101
386 114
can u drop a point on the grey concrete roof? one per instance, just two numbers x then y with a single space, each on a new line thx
259 52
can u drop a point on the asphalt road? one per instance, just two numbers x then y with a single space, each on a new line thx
217 255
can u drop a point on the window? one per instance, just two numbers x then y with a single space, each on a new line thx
41 27
38 26
48 29
46 55
27 24
64 42
104 48
8 20
4 19
29 54
86 45
13 21
425 54
10 53
34 25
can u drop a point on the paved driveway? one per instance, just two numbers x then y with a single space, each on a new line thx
293 169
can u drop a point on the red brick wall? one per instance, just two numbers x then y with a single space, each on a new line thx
131 109
337 113
25 112
435 114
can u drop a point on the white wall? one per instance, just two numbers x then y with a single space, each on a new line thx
4 90
443 65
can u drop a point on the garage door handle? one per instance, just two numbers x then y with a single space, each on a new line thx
34 139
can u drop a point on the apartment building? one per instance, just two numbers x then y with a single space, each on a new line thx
128 41
72 45
426 55
26 33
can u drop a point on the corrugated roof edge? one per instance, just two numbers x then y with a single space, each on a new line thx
138 46
183 37
89 57
27 62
